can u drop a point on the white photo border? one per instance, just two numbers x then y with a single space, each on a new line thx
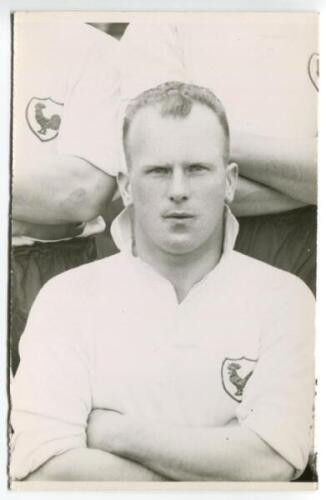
123 6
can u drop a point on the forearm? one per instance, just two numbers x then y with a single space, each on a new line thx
60 189
230 453
85 464
206 454
286 165
252 198
45 232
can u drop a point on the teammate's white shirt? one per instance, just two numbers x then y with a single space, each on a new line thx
256 63
112 335
66 96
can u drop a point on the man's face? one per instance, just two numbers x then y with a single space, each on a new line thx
178 181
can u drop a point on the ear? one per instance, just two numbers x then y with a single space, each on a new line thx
123 180
231 181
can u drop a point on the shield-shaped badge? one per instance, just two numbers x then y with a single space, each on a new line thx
235 373
43 117
313 69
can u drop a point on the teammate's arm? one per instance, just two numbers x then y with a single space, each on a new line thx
231 453
286 165
252 198
85 464
60 189
46 232
74 180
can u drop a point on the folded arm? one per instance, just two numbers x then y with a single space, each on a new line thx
286 165
230 453
252 198
84 464
60 189
50 412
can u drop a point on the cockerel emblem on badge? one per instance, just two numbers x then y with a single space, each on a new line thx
235 375
43 117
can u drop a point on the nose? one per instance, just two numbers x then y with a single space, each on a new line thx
179 186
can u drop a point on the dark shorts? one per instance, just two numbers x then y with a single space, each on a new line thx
31 267
287 240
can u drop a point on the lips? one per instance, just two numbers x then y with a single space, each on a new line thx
178 215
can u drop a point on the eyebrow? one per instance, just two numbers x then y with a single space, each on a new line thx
154 165
187 164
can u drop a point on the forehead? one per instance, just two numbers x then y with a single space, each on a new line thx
194 136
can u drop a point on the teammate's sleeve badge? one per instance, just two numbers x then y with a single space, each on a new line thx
43 117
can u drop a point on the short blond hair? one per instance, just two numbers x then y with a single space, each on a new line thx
176 99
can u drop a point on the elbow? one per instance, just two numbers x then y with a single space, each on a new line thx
309 193
277 470
51 470
284 472
80 205
39 475
88 200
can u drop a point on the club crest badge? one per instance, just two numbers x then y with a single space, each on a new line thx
235 374
43 117
313 70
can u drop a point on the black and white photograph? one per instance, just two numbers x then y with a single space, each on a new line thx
163 239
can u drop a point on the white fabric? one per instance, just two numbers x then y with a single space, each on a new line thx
112 335
256 63
75 65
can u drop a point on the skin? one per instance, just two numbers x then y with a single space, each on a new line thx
287 166
251 196
177 185
188 453
68 190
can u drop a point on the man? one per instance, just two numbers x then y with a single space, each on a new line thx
205 371
264 67
64 153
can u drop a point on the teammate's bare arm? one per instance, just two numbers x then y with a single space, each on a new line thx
251 198
60 189
286 165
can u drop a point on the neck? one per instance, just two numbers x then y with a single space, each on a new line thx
183 271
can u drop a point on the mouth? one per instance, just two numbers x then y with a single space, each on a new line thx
178 215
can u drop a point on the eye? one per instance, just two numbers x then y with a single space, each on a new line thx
158 170
197 168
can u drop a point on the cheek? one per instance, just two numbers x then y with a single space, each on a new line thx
146 198
147 192
211 191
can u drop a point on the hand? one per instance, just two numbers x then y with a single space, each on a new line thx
108 430
112 432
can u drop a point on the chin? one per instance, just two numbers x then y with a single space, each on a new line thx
179 247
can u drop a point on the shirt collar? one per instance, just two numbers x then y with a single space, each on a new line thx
121 231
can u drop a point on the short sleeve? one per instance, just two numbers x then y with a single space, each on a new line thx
149 54
279 397
157 50
90 119
50 396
